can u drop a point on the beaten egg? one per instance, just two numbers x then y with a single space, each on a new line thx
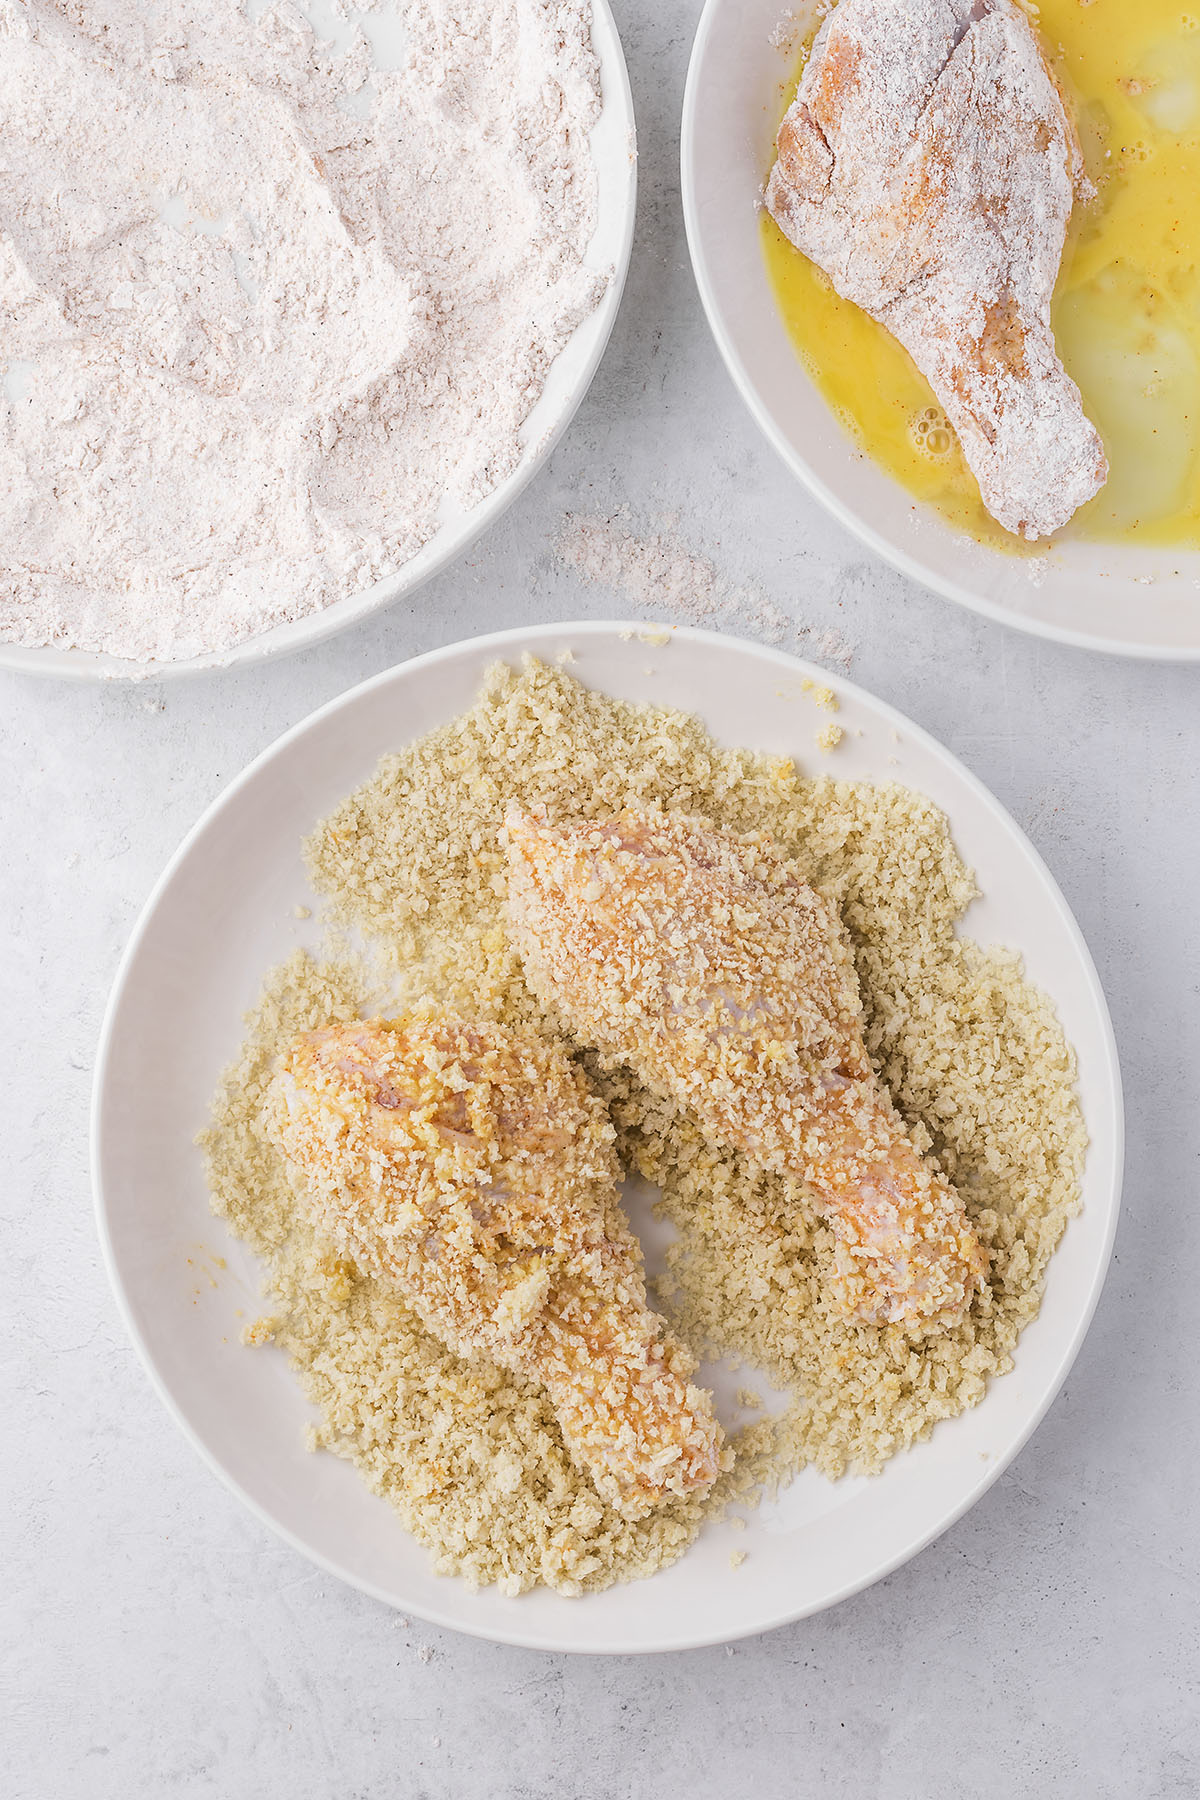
1126 308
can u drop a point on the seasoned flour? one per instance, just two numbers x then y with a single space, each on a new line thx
265 305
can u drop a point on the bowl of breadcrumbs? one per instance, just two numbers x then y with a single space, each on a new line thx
356 871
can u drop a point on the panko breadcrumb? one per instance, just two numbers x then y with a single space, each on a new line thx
412 866
820 694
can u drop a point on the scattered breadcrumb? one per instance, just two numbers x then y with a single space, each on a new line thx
302 912
830 738
736 1558
821 696
411 865
260 1331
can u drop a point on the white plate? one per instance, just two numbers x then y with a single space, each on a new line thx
613 146
223 914
1132 602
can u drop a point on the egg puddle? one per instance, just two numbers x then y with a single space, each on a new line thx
1127 304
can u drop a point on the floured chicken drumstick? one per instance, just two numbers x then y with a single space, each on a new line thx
471 1166
928 165
708 965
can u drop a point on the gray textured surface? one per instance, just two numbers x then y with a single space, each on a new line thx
156 1640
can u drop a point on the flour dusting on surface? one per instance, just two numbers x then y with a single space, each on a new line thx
269 306
665 577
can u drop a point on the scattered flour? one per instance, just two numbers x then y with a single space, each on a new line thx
797 23
661 575
266 307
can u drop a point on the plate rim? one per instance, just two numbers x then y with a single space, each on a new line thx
533 638
806 471
41 661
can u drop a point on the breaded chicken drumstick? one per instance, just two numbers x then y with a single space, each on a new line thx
471 1166
723 980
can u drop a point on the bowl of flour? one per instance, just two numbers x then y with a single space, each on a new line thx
293 303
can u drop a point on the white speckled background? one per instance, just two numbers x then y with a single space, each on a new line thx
158 1641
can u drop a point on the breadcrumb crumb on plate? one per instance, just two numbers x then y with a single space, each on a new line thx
219 920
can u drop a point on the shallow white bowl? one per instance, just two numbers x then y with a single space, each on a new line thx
223 914
1132 602
613 145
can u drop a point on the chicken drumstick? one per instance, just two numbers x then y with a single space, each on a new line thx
724 981
929 167
471 1166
